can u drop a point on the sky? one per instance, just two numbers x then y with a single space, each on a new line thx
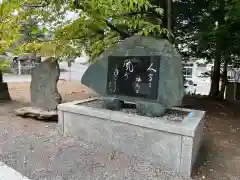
70 15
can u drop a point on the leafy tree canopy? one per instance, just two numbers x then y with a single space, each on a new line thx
202 24
105 22
210 29
98 25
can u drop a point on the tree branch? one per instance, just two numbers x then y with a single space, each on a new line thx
46 3
123 34
151 13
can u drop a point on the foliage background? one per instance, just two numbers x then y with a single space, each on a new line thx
208 29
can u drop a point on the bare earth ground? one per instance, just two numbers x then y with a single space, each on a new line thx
36 150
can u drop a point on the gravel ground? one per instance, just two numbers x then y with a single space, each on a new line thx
38 151
170 116
76 160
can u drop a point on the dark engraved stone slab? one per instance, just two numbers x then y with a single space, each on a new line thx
135 76
146 71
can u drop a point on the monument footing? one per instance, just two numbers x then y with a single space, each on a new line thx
4 93
173 145
37 113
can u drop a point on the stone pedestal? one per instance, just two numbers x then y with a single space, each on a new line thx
171 145
4 93
37 113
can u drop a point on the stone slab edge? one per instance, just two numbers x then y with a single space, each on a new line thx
8 173
186 128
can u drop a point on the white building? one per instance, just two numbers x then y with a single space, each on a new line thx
194 69
83 59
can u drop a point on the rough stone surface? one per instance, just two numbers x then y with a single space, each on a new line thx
154 146
150 109
4 93
112 103
173 146
170 91
37 113
44 92
170 115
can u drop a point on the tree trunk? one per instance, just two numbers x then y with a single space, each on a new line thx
223 87
214 90
224 77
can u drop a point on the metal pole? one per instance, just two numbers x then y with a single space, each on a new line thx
70 74
70 70
19 67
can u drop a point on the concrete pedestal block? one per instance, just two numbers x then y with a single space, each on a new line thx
171 145
4 93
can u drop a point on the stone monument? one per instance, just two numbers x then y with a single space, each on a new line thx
4 93
142 70
44 93
141 77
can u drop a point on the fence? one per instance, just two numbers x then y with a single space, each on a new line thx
21 74
21 68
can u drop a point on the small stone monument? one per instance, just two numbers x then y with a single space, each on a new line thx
142 70
4 93
44 93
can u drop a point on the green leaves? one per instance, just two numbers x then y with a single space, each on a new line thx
96 33
9 24
202 24
91 30
4 65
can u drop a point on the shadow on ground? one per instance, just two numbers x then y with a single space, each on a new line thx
219 156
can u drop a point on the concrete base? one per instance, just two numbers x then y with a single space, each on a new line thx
170 145
4 93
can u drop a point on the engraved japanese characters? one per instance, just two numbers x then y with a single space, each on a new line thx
142 70
135 76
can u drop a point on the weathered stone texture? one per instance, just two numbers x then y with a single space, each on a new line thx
170 145
170 85
37 113
44 92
